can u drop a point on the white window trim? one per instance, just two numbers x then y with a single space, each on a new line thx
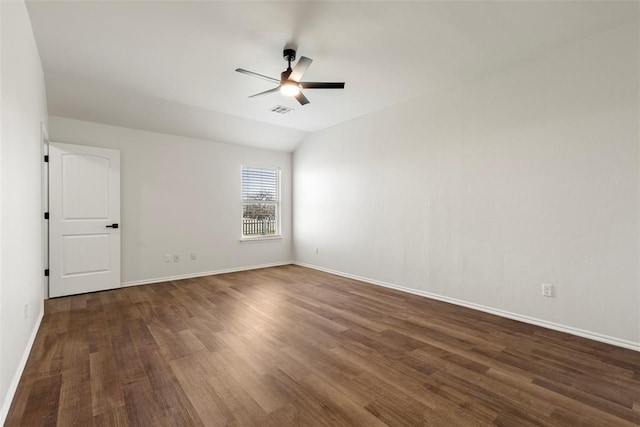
261 238
279 236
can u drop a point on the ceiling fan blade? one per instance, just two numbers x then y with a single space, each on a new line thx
301 98
260 76
275 89
300 68
322 85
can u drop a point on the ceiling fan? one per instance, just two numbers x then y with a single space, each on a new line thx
289 83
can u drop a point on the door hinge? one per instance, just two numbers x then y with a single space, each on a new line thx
46 159
46 215
46 272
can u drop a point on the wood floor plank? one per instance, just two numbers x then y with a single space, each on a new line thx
192 376
291 346
106 392
75 399
114 417
41 406
268 398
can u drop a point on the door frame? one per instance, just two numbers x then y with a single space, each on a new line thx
44 208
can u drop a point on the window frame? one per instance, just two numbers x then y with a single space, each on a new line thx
277 203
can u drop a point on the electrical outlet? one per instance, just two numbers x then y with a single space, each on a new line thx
26 311
167 258
176 258
547 290
193 256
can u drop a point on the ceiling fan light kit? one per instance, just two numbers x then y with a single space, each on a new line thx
289 88
289 83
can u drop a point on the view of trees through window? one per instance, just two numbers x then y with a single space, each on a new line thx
260 201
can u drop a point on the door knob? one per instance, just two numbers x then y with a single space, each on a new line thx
112 226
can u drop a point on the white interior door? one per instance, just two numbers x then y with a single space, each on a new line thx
84 219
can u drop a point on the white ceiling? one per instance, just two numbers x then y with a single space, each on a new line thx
168 66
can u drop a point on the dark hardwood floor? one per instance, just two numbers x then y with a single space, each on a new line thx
293 346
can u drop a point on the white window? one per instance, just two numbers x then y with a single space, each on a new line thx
260 202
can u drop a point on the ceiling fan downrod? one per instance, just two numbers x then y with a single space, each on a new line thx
289 56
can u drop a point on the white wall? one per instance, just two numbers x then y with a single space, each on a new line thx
23 109
483 192
180 195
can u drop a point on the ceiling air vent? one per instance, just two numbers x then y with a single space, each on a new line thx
279 109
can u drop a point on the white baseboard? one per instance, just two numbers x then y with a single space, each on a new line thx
6 404
502 313
204 273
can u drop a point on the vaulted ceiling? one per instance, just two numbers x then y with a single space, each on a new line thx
168 66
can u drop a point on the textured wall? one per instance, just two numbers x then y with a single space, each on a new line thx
483 192
23 109
182 195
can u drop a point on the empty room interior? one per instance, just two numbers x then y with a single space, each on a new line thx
284 213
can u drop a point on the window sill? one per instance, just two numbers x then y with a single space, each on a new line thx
259 239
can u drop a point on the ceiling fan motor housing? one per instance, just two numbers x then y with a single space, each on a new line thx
284 76
289 55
